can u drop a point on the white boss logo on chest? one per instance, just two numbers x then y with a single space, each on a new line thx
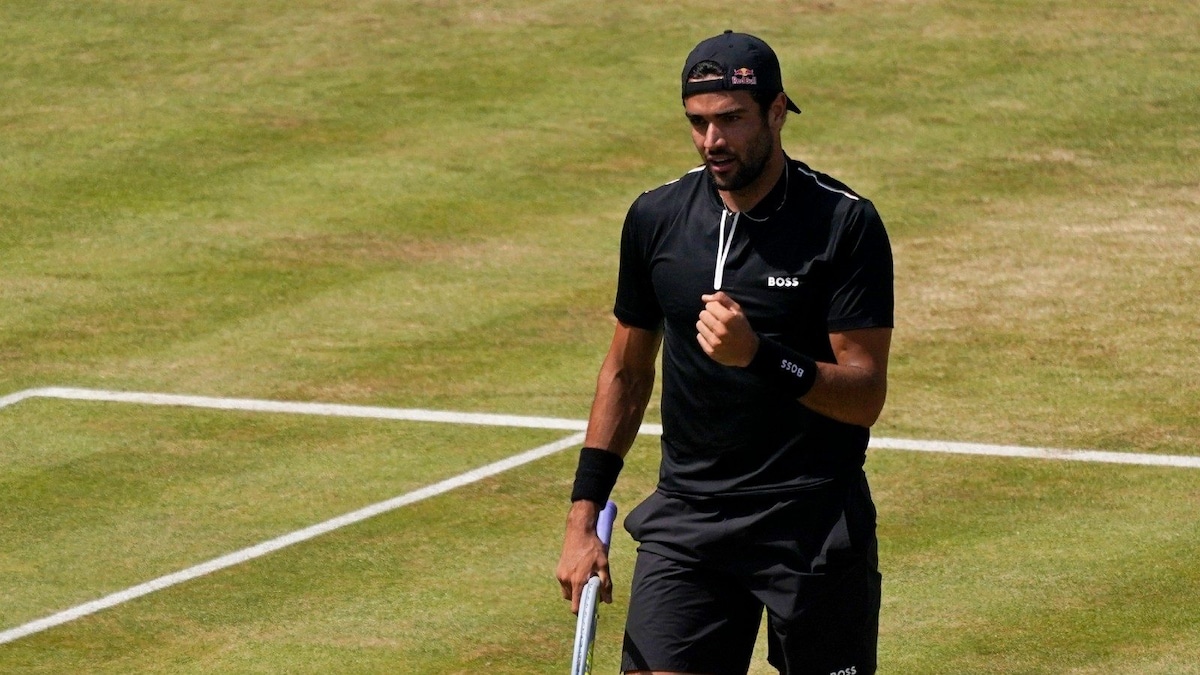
782 282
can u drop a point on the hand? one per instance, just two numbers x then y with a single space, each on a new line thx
724 333
583 555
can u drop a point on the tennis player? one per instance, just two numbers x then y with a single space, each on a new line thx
768 287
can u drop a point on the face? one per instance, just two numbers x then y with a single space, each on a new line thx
734 139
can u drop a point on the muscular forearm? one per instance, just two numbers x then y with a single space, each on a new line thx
622 393
847 394
853 389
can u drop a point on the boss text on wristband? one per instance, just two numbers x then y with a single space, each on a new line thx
784 367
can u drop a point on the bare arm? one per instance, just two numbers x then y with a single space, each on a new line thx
623 389
851 391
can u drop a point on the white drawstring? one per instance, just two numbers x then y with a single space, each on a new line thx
723 246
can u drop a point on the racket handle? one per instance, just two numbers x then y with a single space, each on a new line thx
604 525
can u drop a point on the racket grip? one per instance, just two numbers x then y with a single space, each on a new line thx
604 525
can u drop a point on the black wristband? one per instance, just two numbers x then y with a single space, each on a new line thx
783 367
596 475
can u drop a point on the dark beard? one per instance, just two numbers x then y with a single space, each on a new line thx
757 156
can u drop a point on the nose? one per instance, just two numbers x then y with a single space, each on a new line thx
713 137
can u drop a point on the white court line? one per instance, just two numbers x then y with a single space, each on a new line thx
1142 459
528 422
11 399
324 409
259 550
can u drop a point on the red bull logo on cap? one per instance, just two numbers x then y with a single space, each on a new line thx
743 76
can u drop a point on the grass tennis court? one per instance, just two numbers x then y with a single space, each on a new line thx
416 205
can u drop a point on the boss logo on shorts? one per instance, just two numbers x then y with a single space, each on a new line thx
852 670
782 282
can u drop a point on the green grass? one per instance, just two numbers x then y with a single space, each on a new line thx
418 203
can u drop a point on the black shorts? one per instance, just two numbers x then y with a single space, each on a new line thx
707 568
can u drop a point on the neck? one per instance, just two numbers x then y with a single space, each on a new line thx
748 197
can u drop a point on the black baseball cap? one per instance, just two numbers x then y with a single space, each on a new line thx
748 62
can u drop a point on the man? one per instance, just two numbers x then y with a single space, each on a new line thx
769 287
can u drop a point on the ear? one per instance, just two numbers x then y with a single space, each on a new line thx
779 112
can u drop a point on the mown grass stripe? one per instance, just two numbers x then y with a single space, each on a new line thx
270 546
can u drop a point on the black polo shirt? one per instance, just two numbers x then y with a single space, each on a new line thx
812 258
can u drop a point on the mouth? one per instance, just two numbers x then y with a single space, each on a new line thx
722 164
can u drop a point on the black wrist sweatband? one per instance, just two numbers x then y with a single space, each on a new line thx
783 367
596 475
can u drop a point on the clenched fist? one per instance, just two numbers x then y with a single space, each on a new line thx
723 331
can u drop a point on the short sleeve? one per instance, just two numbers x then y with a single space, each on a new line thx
636 303
861 283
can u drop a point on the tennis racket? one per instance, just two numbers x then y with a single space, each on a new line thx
589 602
